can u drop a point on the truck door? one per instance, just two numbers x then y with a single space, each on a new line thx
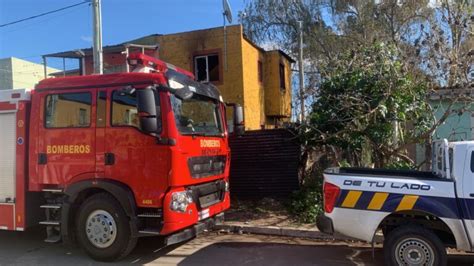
467 194
132 156
66 138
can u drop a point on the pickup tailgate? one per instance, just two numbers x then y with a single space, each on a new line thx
364 199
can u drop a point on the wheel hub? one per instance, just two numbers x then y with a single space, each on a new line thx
101 229
414 251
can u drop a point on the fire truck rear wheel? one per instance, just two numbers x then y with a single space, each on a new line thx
103 229
414 245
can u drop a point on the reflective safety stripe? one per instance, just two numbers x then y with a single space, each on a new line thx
407 202
394 202
377 201
351 199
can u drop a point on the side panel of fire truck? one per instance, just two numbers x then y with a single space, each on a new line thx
13 124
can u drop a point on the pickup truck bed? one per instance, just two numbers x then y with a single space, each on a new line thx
384 173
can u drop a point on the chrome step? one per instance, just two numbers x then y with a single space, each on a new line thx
149 231
149 215
53 239
52 190
50 223
51 206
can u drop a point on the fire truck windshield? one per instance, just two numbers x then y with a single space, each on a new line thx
197 116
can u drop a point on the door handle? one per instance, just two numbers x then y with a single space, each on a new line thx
109 158
471 195
42 158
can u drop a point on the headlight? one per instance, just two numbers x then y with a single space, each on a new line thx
180 201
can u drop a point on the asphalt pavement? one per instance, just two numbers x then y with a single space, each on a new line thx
28 248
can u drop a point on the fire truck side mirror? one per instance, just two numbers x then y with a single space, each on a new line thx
146 106
239 126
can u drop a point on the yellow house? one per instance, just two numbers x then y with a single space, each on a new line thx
259 80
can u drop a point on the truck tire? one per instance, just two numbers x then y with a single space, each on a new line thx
414 245
103 229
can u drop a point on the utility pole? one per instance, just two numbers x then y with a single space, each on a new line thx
97 35
301 74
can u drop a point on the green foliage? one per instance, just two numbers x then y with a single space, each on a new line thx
363 101
307 203
400 165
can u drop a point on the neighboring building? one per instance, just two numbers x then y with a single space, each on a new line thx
245 73
17 73
459 124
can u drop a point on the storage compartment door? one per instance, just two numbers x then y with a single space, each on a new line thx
7 156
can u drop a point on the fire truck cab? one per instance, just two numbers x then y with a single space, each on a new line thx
104 159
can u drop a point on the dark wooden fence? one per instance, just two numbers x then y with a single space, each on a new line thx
264 163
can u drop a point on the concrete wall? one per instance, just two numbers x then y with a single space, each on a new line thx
17 73
6 76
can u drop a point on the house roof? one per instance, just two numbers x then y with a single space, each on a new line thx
117 48
264 51
458 91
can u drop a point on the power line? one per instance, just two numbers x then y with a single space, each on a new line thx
43 14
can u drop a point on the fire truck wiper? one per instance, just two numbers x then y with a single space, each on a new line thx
203 134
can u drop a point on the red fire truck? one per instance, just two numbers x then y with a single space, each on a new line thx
104 159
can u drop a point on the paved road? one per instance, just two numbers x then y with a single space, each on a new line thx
209 249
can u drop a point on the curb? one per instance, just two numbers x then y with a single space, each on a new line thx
279 231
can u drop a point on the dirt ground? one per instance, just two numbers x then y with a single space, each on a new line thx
265 212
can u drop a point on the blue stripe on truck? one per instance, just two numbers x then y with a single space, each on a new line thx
437 206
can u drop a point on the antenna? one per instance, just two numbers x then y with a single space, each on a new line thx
227 11
227 14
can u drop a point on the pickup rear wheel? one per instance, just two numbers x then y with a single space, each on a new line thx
414 245
103 228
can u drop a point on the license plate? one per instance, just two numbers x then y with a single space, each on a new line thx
203 214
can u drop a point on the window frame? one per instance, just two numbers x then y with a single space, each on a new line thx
207 53
159 116
45 109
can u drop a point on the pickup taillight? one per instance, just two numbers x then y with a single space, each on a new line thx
331 193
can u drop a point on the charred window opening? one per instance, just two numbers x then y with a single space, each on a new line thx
260 71
206 68
282 77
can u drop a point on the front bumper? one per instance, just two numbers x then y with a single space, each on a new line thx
176 221
195 230
324 224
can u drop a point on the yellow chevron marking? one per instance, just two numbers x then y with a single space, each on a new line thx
377 201
351 199
407 202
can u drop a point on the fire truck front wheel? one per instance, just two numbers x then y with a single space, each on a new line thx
103 228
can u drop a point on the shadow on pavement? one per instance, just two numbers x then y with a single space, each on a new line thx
248 253
28 248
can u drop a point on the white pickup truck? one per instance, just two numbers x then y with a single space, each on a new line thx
419 213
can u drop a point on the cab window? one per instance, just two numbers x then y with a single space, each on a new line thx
125 112
68 110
